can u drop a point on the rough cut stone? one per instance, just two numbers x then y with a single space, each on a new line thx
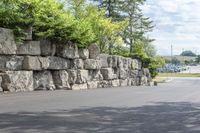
79 87
82 76
146 72
113 61
35 63
61 79
120 62
104 84
129 82
43 80
47 48
115 83
104 60
135 64
95 75
69 51
31 63
1 89
83 53
92 64
94 51
15 81
125 63
92 84
124 82
133 73
29 48
123 74
139 65
72 76
57 63
7 42
108 74
143 80
15 63
134 81
11 62
77 64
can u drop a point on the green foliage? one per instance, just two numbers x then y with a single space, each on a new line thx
138 51
197 60
17 15
155 63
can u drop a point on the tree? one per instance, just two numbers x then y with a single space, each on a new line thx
111 7
175 61
188 53
106 32
138 24
17 15
197 60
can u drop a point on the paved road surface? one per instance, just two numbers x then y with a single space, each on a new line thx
192 69
169 108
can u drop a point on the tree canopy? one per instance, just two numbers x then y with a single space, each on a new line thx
188 53
117 26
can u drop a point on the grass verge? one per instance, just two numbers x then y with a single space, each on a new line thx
160 79
178 75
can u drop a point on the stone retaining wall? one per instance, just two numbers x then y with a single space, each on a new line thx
41 65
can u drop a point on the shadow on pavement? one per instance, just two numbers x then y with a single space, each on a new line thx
159 118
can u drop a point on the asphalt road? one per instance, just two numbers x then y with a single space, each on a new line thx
173 107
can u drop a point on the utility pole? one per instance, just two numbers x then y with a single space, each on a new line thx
171 52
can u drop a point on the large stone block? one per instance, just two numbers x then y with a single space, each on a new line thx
7 42
143 80
113 61
108 74
135 65
77 64
92 84
146 72
15 81
29 48
126 63
124 82
72 76
115 83
57 63
1 89
69 51
47 48
104 60
123 74
92 64
43 80
135 81
104 84
79 86
82 76
35 63
11 62
61 79
95 75
133 73
83 53
94 51
120 62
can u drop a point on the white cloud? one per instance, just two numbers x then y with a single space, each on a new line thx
178 23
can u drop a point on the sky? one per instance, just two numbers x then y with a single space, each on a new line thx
177 24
